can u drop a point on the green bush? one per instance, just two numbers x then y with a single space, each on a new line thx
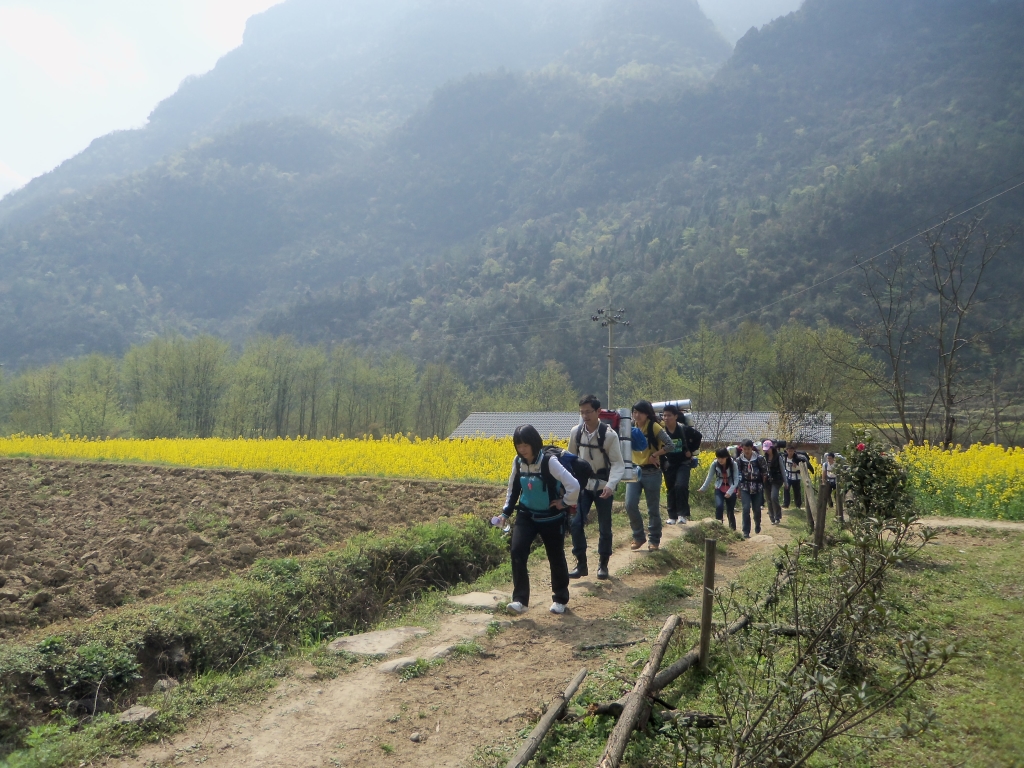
877 482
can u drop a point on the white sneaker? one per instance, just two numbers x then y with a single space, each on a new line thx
516 608
557 608
670 521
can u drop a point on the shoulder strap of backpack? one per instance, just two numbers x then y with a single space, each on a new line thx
546 478
602 433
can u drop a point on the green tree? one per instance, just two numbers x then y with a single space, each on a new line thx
91 395
441 395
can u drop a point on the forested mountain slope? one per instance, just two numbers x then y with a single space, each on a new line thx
485 228
364 67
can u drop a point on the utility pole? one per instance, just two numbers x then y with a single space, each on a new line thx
609 318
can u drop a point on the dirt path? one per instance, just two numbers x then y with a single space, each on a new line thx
968 522
366 717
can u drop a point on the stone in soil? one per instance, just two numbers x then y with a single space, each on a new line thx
380 643
137 714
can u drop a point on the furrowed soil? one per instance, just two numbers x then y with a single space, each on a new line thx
80 538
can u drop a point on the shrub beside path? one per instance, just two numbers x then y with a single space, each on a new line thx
443 718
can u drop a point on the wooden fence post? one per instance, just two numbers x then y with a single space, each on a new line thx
708 604
840 500
530 746
819 522
809 495
637 701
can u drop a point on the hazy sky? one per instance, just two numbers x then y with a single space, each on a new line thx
73 70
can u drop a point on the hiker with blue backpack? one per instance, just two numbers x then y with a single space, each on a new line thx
540 491
598 444
649 477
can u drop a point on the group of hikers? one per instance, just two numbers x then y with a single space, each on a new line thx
546 497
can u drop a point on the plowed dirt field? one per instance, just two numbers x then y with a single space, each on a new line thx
78 538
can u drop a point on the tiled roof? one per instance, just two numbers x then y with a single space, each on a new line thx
504 424
725 427
718 427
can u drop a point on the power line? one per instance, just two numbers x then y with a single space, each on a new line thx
859 264
494 326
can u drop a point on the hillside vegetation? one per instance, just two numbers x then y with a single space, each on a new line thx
601 168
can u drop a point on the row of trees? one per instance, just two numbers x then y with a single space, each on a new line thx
920 368
175 386
275 387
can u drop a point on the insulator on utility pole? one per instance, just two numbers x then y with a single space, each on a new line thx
609 318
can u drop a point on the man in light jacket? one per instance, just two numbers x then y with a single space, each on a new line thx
598 444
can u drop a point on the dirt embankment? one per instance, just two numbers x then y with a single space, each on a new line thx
76 538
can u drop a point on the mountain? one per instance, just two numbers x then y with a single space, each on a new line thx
485 227
365 67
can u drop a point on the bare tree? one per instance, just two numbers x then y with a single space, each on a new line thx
934 297
892 290
957 260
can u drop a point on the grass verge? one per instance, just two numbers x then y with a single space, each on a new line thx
967 587
58 695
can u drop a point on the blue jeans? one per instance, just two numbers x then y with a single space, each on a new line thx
650 484
722 505
604 525
755 501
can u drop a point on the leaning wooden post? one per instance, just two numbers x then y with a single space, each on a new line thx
840 500
809 495
532 743
708 604
636 701
819 521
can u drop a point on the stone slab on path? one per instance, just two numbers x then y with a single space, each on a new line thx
481 600
397 665
380 643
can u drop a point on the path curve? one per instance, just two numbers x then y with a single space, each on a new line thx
969 522
366 718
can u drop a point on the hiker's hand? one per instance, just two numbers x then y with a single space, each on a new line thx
558 504
607 493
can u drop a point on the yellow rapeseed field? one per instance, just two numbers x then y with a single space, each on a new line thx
981 481
470 459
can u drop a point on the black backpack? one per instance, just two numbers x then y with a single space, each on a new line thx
693 438
578 468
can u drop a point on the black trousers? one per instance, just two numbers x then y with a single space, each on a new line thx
677 483
524 532
795 486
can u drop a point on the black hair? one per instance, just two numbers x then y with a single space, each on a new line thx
723 453
671 409
830 455
592 401
748 443
645 407
527 434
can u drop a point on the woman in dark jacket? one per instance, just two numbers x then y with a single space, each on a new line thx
776 480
